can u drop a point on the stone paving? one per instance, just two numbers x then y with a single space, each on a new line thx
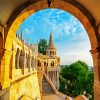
48 93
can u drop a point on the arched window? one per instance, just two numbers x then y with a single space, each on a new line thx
32 62
20 60
17 59
44 63
52 63
50 52
39 63
26 60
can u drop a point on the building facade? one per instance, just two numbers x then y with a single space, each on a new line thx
50 63
27 59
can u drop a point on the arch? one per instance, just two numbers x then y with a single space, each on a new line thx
44 64
70 6
50 52
52 63
39 63
74 8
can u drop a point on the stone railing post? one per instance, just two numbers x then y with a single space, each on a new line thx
96 61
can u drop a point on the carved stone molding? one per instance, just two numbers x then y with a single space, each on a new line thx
95 50
1 28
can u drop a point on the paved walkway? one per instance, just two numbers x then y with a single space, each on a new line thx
48 93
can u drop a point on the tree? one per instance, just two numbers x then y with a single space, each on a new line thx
42 46
76 78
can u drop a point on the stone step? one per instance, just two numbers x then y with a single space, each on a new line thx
46 88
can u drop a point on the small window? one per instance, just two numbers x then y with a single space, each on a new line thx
44 63
50 52
52 63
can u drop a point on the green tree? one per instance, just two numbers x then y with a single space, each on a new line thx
42 46
77 79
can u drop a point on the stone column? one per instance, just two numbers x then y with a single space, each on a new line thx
40 77
57 79
12 70
36 63
4 69
32 63
29 62
96 61
26 64
23 62
17 59
53 79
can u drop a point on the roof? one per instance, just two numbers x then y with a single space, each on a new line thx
51 43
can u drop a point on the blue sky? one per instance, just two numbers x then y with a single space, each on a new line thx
70 37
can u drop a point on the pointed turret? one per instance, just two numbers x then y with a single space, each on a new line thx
51 50
51 43
21 35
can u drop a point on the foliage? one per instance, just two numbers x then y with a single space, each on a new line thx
75 79
42 46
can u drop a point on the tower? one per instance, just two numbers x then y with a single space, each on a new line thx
52 68
51 50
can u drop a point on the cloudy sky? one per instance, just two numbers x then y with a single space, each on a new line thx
70 37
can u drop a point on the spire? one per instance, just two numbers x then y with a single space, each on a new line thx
21 35
51 43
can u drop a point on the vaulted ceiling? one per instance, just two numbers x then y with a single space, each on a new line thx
7 7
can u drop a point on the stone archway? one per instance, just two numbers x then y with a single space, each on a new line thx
70 6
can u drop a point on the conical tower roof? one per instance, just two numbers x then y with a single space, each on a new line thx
51 43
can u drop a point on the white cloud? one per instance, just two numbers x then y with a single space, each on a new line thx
68 59
29 30
77 45
59 12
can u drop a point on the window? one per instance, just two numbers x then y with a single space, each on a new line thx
44 63
52 63
17 59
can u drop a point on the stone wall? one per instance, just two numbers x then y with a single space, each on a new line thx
27 86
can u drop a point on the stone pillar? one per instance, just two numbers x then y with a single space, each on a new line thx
36 63
53 80
57 79
32 62
96 61
4 69
26 60
23 62
4 94
17 59
12 70
29 62
40 77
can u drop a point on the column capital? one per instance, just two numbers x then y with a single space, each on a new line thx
96 50
5 51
